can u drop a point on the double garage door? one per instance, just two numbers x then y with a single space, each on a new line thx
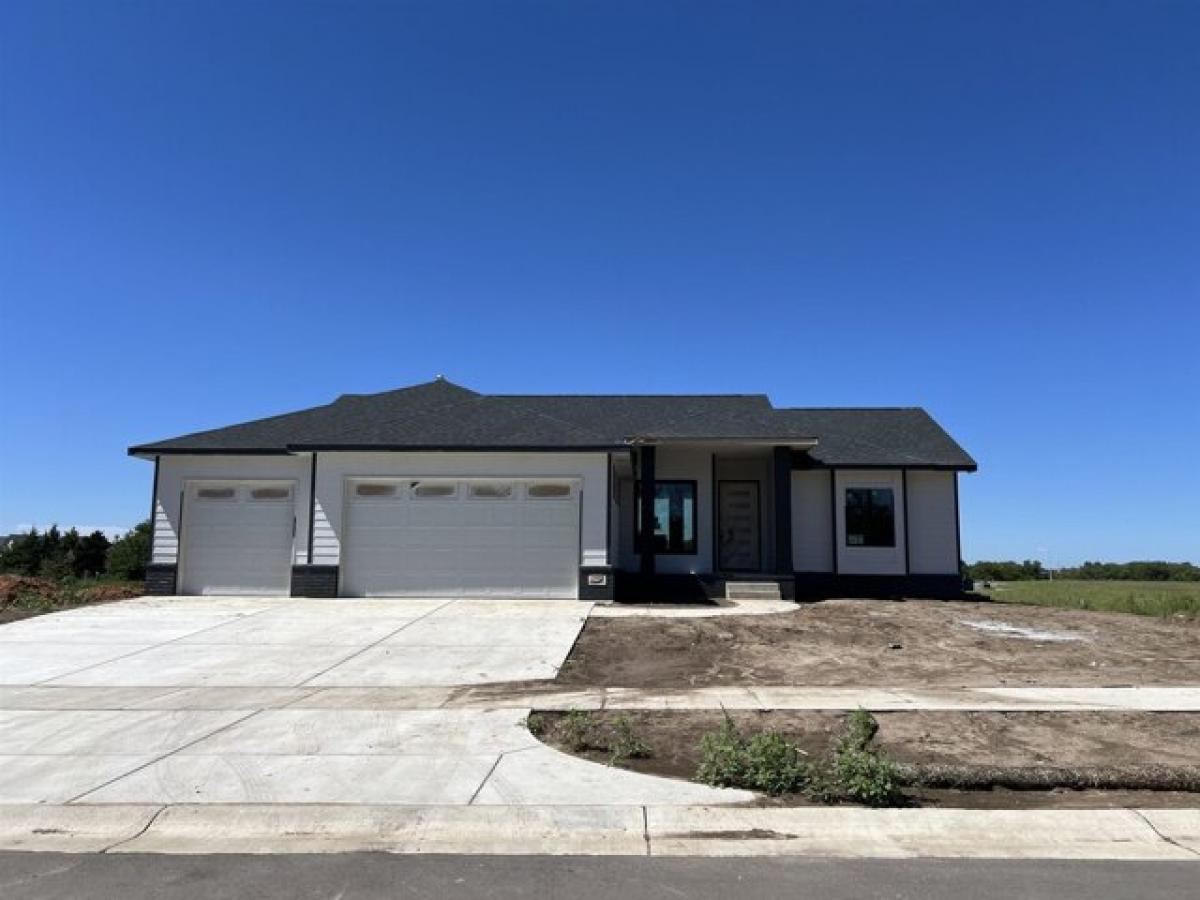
415 537
444 537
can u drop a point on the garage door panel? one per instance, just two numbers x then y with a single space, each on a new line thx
237 544
465 545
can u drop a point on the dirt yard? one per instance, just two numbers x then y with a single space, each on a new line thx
976 739
917 643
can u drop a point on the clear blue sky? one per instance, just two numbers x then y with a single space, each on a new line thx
212 212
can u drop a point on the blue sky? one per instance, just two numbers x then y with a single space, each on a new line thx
211 212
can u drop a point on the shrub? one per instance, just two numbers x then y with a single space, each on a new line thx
624 743
867 777
578 730
722 757
128 555
775 765
859 731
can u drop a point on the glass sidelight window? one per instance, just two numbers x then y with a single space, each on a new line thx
870 517
674 517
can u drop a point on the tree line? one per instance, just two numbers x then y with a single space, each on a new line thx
1032 570
57 555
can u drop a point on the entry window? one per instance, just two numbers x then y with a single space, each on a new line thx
674 517
870 517
549 491
374 489
429 490
491 491
270 493
216 493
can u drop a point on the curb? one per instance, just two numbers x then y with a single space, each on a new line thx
1125 834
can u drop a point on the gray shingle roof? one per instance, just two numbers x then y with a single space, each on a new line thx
442 415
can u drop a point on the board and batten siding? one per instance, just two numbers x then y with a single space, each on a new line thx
334 469
932 523
932 536
812 530
175 472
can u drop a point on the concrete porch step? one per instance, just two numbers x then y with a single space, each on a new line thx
752 590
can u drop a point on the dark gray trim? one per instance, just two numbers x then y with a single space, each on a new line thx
801 460
453 448
150 449
179 535
646 523
314 581
833 529
161 579
904 500
714 499
598 593
312 506
608 505
758 516
782 477
814 585
153 508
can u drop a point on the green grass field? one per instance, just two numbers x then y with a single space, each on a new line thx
1144 598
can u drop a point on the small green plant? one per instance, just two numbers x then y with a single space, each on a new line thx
578 731
722 756
538 724
866 776
775 765
624 743
860 770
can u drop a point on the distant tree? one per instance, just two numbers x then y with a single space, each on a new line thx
92 554
24 555
129 554
1138 570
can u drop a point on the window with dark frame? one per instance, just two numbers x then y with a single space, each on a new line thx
870 517
674 517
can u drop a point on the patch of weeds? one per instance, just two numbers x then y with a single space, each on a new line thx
775 765
624 743
539 724
854 770
577 731
722 756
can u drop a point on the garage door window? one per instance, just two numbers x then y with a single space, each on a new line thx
491 491
216 493
368 489
424 490
549 491
271 493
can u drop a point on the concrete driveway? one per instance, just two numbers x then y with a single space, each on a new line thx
224 700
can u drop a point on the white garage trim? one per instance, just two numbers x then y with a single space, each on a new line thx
450 536
238 536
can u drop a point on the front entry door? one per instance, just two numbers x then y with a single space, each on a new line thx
738 526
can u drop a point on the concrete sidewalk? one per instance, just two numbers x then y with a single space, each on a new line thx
547 696
629 830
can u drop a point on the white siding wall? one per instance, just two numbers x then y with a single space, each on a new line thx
688 464
175 471
334 468
812 529
932 523
869 560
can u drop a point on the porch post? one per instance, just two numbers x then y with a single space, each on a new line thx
646 525
782 480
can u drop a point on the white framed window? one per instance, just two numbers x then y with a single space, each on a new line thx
548 490
434 490
374 489
490 491
216 493
274 492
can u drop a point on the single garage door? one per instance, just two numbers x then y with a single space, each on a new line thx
441 537
237 538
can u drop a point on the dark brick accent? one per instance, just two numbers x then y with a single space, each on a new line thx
314 581
813 585
598 593
160 579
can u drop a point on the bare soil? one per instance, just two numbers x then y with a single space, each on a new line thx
22 596
915 643
993 739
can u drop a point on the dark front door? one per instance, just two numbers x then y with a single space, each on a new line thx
738 523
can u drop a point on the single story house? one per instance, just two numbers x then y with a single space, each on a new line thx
436 490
